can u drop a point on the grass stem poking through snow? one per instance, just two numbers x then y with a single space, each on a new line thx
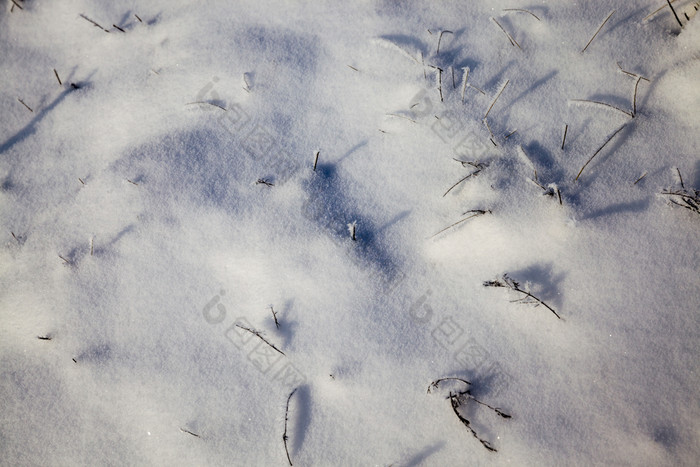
92 245
689 199
286 420
184 430
522 11
262 181
94 23
674 13
457 399
513 42
22 102
599 149
508 283
274 316
15 4
629 114
59 79
511 134
440 39
473 174
497 96
114 25
634 98
598 30
352 68
316 154
352 228
563 141
137 17
465 77
474 213
44 338
259 336
640 178
206 103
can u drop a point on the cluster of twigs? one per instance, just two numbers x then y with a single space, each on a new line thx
683 197
527 298
459 398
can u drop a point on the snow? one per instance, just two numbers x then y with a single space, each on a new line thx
156 214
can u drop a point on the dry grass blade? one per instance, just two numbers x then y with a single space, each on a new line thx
507 282
629 114
566 129
674 13
520 10
510 38
476 213
440 39
286 419
598 30
207 103
599 149
59 79
259 336
473 174
497 96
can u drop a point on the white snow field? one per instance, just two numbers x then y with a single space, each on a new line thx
179 283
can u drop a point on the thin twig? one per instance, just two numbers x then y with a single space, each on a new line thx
522 11
118 28
640 178
259 336
510 134
59 79
634 99
509 283
402 116
634 75
274 316
497 96
599 149
316 154
473 174
566 129
510 38
22 102
137 17
207 103
477 212
352 67
440 38
286 419
464 82
598 30
17 5
93 22
629 114
455 403
655 12
189 432
674 13
680 177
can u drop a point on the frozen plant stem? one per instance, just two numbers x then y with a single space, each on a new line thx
440 39
259 336
274 316
476 213
674 13
473 174
599 149
522 11
59 79
508 283
286 419
566 129
598 30
457 400
513 42
190 433
22 102
497 96
316 154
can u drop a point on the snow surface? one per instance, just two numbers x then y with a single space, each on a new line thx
135 236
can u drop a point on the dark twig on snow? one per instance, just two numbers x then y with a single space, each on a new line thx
598 30
508 283
274 316
259 336
59 79
497 96
522 11
513 42
457 399
566 130
286 419
475 213
674 13
94 23
685 198
22 102
184 430
599 149
473 174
